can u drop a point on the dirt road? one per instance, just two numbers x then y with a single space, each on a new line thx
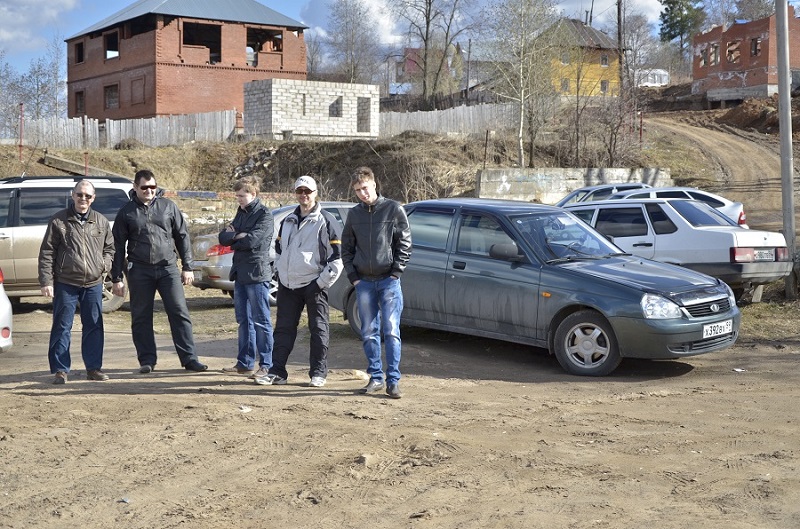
748 164
488 434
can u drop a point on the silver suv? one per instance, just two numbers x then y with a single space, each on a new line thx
26 205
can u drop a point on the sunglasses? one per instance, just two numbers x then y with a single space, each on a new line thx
303 191
147 187
84 196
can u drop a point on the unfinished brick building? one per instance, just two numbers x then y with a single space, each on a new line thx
166 57
741 61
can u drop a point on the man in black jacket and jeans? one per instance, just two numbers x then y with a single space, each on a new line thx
376 246
152 228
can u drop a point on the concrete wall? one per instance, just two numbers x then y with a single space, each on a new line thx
276 108
549 184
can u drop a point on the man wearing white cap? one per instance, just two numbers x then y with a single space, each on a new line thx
308 261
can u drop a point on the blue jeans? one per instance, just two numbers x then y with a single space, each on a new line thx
380 304
251 307
65 301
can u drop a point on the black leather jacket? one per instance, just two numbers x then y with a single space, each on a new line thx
155 235
376 241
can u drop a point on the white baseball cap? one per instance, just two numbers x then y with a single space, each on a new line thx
306 181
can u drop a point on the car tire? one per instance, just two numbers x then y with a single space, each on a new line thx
585 344
112 302
353 317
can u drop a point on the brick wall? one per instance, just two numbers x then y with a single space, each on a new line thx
158 75
310 109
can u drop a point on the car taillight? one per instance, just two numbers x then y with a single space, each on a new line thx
742 218
1 275
743 255
782 254
218 249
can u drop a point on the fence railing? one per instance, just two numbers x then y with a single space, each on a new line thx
457 120
89 133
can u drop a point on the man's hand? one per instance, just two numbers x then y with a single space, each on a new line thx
47 291
118 288
187 277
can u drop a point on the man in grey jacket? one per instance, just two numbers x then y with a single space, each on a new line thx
74 258
308 262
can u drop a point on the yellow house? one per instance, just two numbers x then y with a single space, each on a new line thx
585 61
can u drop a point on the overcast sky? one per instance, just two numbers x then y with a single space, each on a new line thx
29 25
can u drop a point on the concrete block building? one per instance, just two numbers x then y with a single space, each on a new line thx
292 109
166 57
730 64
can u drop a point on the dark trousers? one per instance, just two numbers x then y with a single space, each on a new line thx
290 304
143 283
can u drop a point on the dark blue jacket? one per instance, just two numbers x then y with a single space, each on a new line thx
251 263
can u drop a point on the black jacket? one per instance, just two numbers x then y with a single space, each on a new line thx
155 235
251 252
376 241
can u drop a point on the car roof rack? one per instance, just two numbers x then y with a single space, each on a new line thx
76 179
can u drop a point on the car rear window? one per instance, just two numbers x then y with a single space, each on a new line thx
36 206
700 213
108 201
621 222
430 229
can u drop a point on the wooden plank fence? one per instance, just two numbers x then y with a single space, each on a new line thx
88 133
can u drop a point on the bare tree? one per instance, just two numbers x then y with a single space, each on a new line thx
520 58
10 98
353 41
720 12
314 55
434 26
754 9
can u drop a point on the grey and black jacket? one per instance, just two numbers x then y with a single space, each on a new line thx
155 235
250 253
74 252
309 249
376 241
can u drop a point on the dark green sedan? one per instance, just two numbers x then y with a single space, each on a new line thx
537 275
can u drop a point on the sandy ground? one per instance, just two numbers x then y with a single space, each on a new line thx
487 435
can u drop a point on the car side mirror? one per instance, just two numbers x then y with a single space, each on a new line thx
507 252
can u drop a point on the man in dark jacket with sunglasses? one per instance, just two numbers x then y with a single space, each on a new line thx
149 230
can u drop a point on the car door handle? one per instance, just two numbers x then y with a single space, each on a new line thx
643 244
459 265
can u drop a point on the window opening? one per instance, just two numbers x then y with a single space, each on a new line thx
111 42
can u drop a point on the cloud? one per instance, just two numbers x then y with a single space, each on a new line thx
33 23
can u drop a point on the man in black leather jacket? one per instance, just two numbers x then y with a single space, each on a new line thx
151 228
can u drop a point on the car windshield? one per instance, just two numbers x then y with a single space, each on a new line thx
700 213
560 236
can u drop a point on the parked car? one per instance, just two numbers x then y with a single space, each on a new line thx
26 205
732 210
6 319
691 233
214 271
599 192
537 275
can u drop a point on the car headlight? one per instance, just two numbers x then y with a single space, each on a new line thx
655 307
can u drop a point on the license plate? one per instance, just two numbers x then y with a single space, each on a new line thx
765 255
717 329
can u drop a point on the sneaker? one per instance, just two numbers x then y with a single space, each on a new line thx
270 380
96 374
262 372
146 368
237 369
373 386
61 378
393 390
317 382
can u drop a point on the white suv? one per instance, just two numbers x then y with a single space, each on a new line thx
26 205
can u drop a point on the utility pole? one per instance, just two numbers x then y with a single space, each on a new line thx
787 157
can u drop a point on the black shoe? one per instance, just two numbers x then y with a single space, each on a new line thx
372 387
194 365
393 390
146 368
